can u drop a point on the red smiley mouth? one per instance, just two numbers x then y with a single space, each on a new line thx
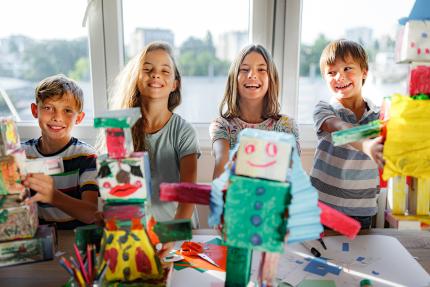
262 165
124 190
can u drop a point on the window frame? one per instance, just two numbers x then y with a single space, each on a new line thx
274 24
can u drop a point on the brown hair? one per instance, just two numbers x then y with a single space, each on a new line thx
231 96
125 93
342 49
58 86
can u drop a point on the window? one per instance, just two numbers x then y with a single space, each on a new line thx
40 39
206 37
371 23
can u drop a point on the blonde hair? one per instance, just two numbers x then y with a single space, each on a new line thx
229 107
125 92
342 49
57 86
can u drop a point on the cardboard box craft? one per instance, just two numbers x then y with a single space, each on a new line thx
413 42
9 137
124 180
40 248
9 176
17 220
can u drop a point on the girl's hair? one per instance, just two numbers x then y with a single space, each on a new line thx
342 49
230 101
125 93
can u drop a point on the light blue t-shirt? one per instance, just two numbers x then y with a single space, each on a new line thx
166 148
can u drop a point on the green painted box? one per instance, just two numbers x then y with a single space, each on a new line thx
255 213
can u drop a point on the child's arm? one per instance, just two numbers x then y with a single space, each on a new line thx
81 209
371 147
220 150
188 173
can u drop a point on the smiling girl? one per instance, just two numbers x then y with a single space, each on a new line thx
251 100
151 81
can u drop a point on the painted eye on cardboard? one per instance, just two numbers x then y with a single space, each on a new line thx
249 148
107 185
104 171
271 149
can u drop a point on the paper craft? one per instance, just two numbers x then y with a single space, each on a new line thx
258 157
17 219
9 137
130 255
255 213
407 155
367 256
45 165
124 179
10 178
41 247
414 44
419 80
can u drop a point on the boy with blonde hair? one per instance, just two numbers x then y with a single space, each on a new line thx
346 177
69 198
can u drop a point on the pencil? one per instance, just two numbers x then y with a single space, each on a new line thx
81 263
63 264
78 277
90 263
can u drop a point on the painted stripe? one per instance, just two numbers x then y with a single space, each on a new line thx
335 182
349 174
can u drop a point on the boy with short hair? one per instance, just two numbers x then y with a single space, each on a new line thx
346 177
69 198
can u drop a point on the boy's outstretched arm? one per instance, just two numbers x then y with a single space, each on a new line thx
81 209
371 147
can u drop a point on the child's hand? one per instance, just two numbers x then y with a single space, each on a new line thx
165 249
44 186
374 148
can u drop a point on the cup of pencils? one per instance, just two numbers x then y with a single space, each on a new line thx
83 268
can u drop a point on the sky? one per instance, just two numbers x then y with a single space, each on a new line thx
63 19
333 17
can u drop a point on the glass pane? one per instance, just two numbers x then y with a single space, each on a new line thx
206 37
371 23
50 40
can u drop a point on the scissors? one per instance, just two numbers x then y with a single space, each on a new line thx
189 248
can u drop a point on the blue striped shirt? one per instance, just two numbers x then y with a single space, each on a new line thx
79 160
346 179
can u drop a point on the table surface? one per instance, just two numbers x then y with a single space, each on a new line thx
50 273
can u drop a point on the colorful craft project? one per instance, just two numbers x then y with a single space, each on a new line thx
407 145
118 124
259 208
127 247
419 80
414 41
17 219
9 137
124 179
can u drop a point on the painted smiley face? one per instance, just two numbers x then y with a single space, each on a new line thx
271 150
263 158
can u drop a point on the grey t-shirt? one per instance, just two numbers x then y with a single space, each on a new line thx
166 148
